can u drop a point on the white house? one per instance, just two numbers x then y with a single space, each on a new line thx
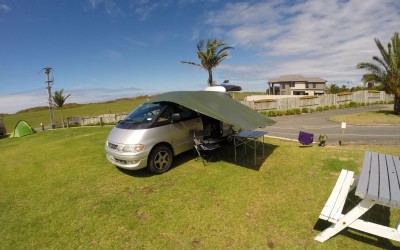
296 85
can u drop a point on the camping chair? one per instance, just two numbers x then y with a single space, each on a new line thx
205 148
306 138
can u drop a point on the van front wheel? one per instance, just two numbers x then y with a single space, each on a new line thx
160 159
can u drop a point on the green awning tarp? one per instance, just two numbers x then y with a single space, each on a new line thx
218 105
21 129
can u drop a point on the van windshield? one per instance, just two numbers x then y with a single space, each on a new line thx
143 116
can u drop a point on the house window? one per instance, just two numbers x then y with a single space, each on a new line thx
307 86
283 86
314 85
292 84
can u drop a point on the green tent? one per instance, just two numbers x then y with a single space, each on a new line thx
21 129
218 105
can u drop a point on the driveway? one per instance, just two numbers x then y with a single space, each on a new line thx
318 123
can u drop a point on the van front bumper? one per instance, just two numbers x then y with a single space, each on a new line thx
127 162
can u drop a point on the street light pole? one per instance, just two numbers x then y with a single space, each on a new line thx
49 84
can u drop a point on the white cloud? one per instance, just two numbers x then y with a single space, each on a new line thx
144 8
5 7
109 6
133 43
113 54
312 38
19 101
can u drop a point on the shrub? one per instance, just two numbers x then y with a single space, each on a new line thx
319 108
354 105
280 113
297 111
326 107
305 110
271 113
290 112
332 107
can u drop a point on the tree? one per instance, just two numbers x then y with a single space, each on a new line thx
211 55
332 89
386 72
59 100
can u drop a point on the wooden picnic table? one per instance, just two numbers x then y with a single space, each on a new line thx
378 183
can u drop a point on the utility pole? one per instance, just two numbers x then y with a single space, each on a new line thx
49 84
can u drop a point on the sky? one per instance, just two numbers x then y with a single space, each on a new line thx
103 50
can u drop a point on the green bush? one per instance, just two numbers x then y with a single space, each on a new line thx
305 110
354 104
319 108
326 107
290 112
297 111
273 113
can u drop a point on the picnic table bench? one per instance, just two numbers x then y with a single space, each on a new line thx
378 183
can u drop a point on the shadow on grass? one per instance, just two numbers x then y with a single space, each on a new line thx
225 153
384 112
4 136
178 160
377 214
245 155
141 173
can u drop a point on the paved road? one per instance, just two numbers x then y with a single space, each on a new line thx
318 123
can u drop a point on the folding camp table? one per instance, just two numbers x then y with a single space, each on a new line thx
249 138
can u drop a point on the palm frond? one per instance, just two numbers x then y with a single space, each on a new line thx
192 63
387 70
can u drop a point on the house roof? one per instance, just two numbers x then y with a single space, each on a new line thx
296 78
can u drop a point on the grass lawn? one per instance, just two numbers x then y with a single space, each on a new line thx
58 191
381 117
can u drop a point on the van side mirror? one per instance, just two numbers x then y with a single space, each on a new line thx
176 117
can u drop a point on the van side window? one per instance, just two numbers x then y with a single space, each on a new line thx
165 117
185 113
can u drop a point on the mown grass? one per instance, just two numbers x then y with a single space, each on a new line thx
58 191
381 117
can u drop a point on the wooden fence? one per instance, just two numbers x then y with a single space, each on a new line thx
263 103
287 103
95 120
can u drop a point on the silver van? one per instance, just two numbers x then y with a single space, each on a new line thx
154 133
163 127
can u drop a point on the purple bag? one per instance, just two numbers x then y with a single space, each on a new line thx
306 138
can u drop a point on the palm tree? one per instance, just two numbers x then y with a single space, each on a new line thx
387 72
210 55
59 100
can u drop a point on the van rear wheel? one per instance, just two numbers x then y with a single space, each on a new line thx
160 159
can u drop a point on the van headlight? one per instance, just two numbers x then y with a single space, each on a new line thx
135 148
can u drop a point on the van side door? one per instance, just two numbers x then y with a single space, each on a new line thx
182 130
